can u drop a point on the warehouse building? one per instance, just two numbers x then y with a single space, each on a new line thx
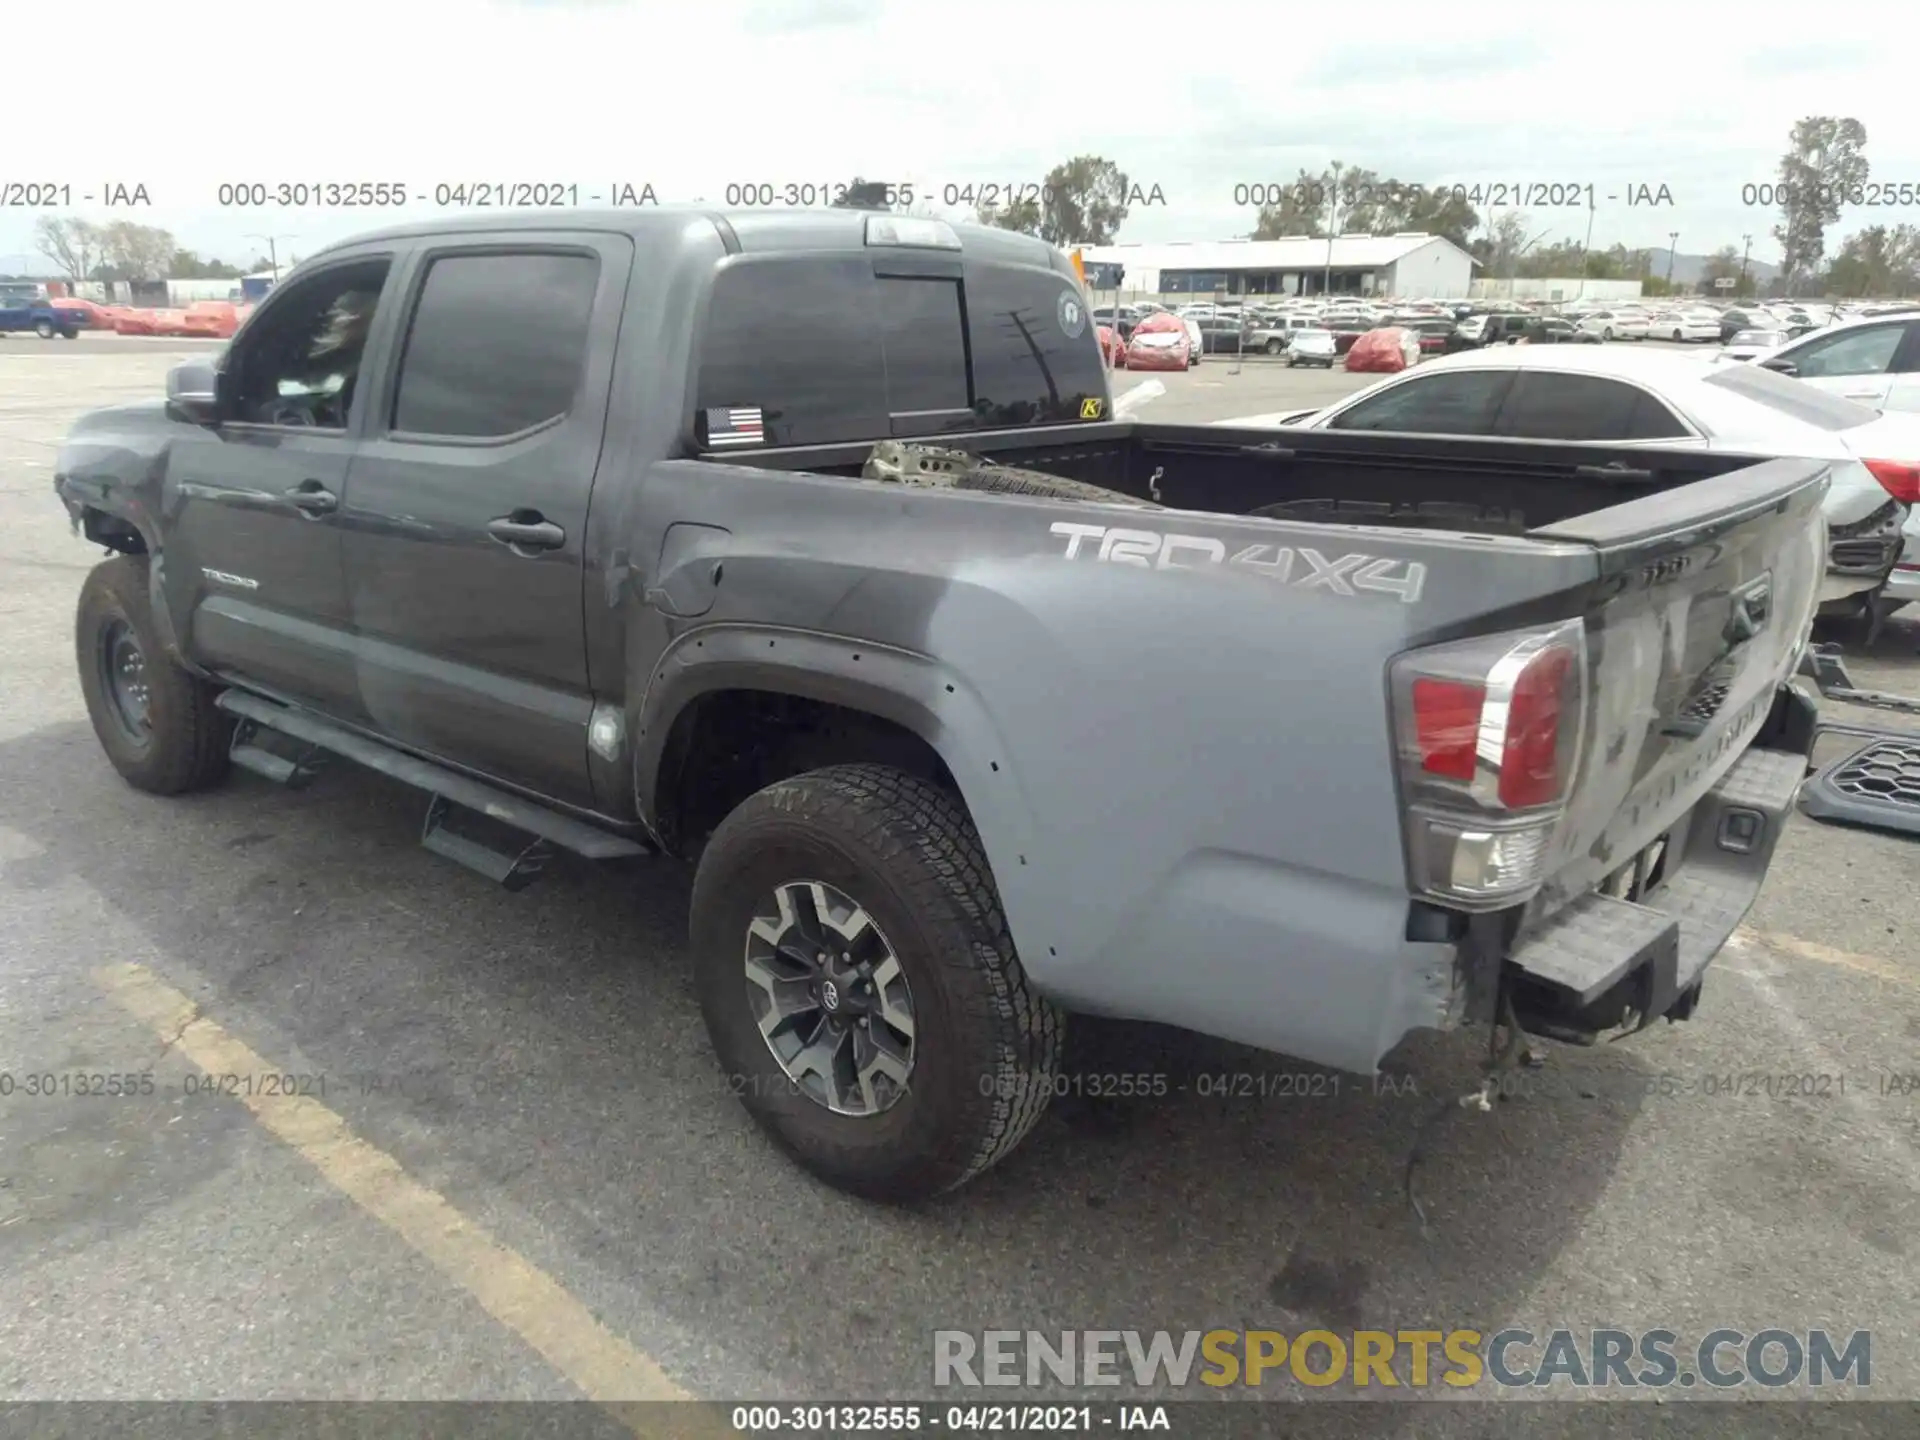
1413 266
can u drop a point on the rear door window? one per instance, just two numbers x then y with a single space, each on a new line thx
1461 402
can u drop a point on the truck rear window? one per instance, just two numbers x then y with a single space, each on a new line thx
829 352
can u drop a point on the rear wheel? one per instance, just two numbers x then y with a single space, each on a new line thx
45 329
860 987
157 723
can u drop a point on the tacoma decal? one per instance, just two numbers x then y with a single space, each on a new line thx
1301 567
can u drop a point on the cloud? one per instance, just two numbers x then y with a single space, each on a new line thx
1196 100
788 17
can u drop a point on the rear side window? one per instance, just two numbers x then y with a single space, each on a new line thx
829 353
1546 406
496 345
1462 402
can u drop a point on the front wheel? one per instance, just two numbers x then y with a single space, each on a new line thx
157 723
1274 347
860 987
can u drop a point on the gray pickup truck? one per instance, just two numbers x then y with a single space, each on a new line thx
805 547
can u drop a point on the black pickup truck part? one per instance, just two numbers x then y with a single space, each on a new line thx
804 547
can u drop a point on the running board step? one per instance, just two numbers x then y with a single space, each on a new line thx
262 751
505 855
456 797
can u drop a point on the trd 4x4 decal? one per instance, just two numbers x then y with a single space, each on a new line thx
1298 566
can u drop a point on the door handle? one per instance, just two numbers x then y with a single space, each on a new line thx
312 499
527 530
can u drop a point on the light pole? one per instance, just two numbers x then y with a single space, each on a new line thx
1333 227
1673 242
1586 249
273 251
1746 245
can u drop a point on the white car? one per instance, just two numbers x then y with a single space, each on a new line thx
1684 325
1613 324
1903 586
1313 346
1873 362
1603 395
1749 345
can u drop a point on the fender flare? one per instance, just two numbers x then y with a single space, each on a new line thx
912 690
79 504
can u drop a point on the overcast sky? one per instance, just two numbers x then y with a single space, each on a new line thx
1194 96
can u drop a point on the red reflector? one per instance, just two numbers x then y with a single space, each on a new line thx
1530 759
1899 478
1446 724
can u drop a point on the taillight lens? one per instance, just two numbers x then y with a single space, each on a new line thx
1899 478
1489 735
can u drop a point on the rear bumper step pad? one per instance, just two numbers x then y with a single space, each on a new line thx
1598 941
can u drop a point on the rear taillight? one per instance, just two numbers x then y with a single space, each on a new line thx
1488 735
1899 478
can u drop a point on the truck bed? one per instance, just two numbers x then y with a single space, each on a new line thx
1463 484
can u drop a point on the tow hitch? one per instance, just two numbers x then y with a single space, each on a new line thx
1878 785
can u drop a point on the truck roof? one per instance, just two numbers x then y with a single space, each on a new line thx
752 231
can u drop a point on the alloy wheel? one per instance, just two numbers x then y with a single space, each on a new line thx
830 999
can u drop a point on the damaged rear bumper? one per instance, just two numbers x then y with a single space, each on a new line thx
1607 963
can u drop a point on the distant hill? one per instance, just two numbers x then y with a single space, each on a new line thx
1687 269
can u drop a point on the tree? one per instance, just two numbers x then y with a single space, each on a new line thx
1824 160
868 195
1362 201
1302 208
1877 261
1724 264
135 252
72 244
1083 201
186 265
1500 248
1023 215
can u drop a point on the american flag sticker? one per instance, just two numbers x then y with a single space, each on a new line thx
735 426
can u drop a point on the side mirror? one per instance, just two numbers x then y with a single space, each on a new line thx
1780 367
195 393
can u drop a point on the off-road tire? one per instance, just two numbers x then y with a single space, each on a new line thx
186 746
987 1047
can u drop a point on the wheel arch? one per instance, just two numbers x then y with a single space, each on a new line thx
888 705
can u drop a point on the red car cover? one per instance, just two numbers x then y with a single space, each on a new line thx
1383 350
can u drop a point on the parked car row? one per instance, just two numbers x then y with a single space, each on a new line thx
67 316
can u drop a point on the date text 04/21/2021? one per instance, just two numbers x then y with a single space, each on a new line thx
447 194
1498 194
841 1419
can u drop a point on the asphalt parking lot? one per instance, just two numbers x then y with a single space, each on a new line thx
524 1179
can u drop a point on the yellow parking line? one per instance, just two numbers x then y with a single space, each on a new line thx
1827 955
510 1287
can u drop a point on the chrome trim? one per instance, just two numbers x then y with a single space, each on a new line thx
1496 709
